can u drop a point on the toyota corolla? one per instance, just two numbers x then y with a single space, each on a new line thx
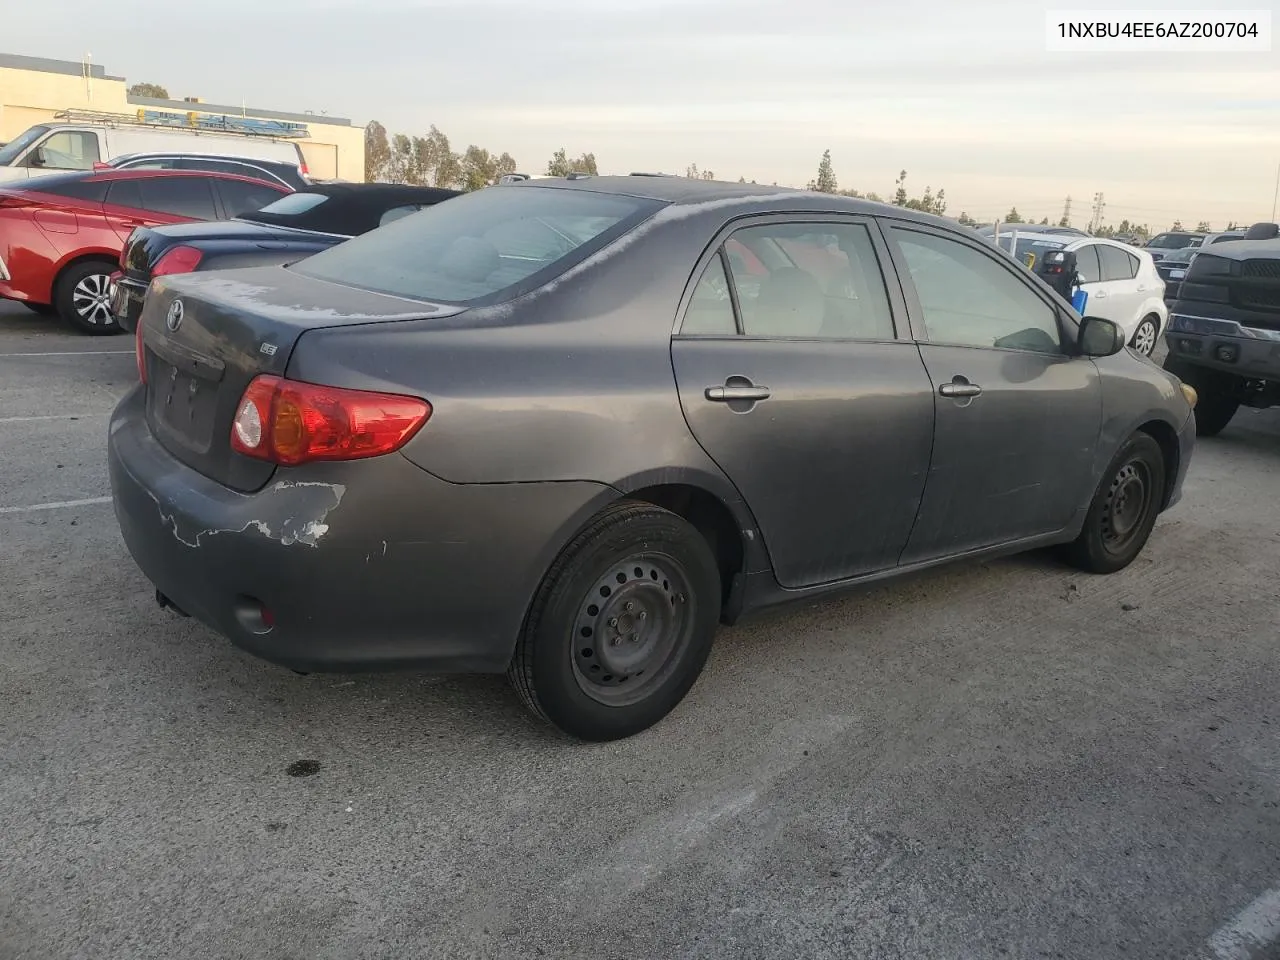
563 428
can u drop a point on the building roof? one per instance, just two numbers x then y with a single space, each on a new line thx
76 69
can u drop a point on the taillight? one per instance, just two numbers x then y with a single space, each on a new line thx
140 351
290 422
303 167
177 260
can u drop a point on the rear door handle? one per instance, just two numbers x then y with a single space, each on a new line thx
960 388
1100 295
728 394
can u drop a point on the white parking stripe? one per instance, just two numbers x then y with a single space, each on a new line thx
1253 929
54 416
72 353
57 505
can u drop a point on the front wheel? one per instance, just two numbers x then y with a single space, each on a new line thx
621 626
1124 509
83 297
1145 337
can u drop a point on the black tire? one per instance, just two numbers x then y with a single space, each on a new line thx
635 574
79 294
1124 509
44 309
1216 399
1146 337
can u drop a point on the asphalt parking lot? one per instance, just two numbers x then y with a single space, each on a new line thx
1003 760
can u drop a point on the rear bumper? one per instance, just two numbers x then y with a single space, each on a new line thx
374 564
1225 345
126 303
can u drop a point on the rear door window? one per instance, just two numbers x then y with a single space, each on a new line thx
125 193
483 246
179 197
1088 264
1116 264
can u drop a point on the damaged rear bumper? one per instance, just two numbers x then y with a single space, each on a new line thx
372 564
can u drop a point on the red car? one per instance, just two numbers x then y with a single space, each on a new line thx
61 235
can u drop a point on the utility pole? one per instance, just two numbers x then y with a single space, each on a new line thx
1066 213
1098 207
1275 195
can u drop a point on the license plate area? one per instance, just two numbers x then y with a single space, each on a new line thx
183 405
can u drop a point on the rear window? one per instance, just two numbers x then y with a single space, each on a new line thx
1174 241
482 246
291 205
66 185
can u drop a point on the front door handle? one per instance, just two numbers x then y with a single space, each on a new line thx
960 387
1101 294
730 393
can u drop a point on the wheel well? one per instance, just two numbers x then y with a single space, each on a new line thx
706 512
76 261
1164 435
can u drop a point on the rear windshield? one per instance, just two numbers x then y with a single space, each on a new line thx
483 246
1174 241
290 205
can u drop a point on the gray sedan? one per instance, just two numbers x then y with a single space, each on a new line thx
563 428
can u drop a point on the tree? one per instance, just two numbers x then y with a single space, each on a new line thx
479 168
152 90
966 221
826 179
1064 222
1013 216
1203 227
561 166
377 151
1044 221
900 195
693 173
1177 225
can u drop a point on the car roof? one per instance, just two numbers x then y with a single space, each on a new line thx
686 191
94 176
1244 250
186 154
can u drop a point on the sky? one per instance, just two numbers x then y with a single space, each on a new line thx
962 94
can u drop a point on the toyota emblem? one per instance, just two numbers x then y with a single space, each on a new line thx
174 320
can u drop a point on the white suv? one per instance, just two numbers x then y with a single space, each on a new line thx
1121 281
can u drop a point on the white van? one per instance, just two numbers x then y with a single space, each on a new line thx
77 140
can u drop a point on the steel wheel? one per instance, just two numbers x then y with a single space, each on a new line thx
1144 338
91 300
1126 505
628 626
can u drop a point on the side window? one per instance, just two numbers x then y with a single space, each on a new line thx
1087 263
241 196
1115 263
969 299
395 213
809 280
179 197
710 309
125 193
67 150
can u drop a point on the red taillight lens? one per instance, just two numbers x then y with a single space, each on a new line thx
177 260
290 422
140 352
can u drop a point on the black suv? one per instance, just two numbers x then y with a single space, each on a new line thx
1224 328
272 171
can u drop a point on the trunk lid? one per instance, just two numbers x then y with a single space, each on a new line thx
205 336
146 245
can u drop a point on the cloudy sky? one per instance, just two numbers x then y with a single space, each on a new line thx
963 95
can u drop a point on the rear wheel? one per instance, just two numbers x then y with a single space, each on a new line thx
83 297
1146 336
1124 509
621 625
1216 398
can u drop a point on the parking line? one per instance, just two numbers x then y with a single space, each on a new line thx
72 353
57 505
53 416
1250 931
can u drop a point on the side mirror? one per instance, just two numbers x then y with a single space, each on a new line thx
1100 338
37 158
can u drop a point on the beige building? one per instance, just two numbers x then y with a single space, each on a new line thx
33 90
